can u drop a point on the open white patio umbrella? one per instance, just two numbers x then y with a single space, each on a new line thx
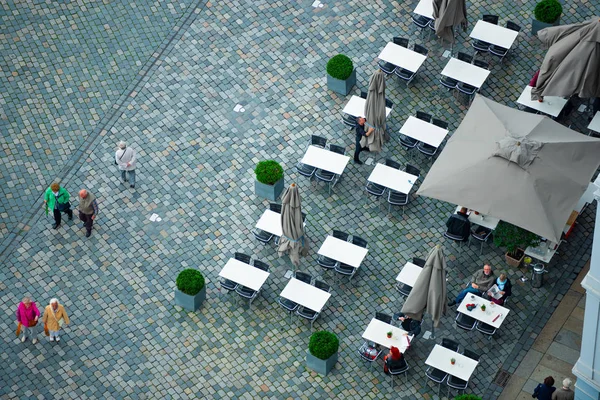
522 168
375 112
293 240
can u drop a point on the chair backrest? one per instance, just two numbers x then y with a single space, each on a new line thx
304 277
245 258
275 207
424 116
440 123
420 49
411 169
318 141
337 149
363 94
492 19
400 41
512 26
472 355
261 265
481 64
465 57
357 240
340 235
450 344
303 216
322 285
418 261
388 103
392 163
383 317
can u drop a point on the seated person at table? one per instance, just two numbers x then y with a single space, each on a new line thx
392 360
410 325
458 224
504 287
481 282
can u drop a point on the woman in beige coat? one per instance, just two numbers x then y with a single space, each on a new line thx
55 317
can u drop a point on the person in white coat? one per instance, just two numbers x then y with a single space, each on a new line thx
125 160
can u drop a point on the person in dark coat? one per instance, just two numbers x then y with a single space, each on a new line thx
543 391
458 224
392 360
360 132
410 325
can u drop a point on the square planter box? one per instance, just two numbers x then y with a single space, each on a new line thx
342 87
190 303
322 367
271 192
538 26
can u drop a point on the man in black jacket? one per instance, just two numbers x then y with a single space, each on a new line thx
458 224
360 132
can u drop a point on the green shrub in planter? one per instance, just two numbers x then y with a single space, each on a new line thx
548 11
467 397
340 67
513 238
190 281
323 344
268 172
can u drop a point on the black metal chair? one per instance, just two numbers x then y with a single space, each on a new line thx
403 288
400 41
437 376
327 263
467 90
449 344
247 293
448 83
407 75
389 103
261 265
489 18
465 57
262 236
358 241
275 207
304 277
421 50
329 177
408 143
245 258
457 383
383 317
340 235
481 64
472 355
426 149
391 163
438 122
485 329
288 305
424 116
323 286
349 120
399 367
514 27
318 141
305 170
418 261
465 322
346 270
363 94
308 314
456 238
396 199
411 169
421 22
482 235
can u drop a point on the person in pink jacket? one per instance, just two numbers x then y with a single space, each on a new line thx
28 315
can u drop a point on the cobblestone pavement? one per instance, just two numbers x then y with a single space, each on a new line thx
127 340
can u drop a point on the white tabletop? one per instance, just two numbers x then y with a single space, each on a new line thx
465 72
270 221
306 295
356 107
409 274
552 105
343 251
244 274
377 332
425 8
423 131
392 178
325 159
546 257
491 311
487 221
440 358
494 34
595 124
402 57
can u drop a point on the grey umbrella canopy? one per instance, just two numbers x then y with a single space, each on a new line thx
522 168
572 64
293 241
375 112
429 293
447 15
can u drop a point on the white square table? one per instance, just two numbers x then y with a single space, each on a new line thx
423 131
440 358
425 8
392 178
409 274
356 107
487 221
489 315
244 274
494 34
377 332
306 295
552 105
402 57
465 72
343 251
325 159
595 123
270 221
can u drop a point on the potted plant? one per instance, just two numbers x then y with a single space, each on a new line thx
341 74
515 240
322 352
452 361
269 179
467 397
191 290
546 14
389 334
483 307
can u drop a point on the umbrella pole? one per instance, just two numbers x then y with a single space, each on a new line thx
432 329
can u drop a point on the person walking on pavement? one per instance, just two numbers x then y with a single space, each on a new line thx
88 209
55 317
125 159
27 316
360 132
56 199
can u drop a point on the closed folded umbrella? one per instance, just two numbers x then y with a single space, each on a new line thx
448 14
293 240
572 64
375 112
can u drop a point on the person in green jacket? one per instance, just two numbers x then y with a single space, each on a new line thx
56 199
